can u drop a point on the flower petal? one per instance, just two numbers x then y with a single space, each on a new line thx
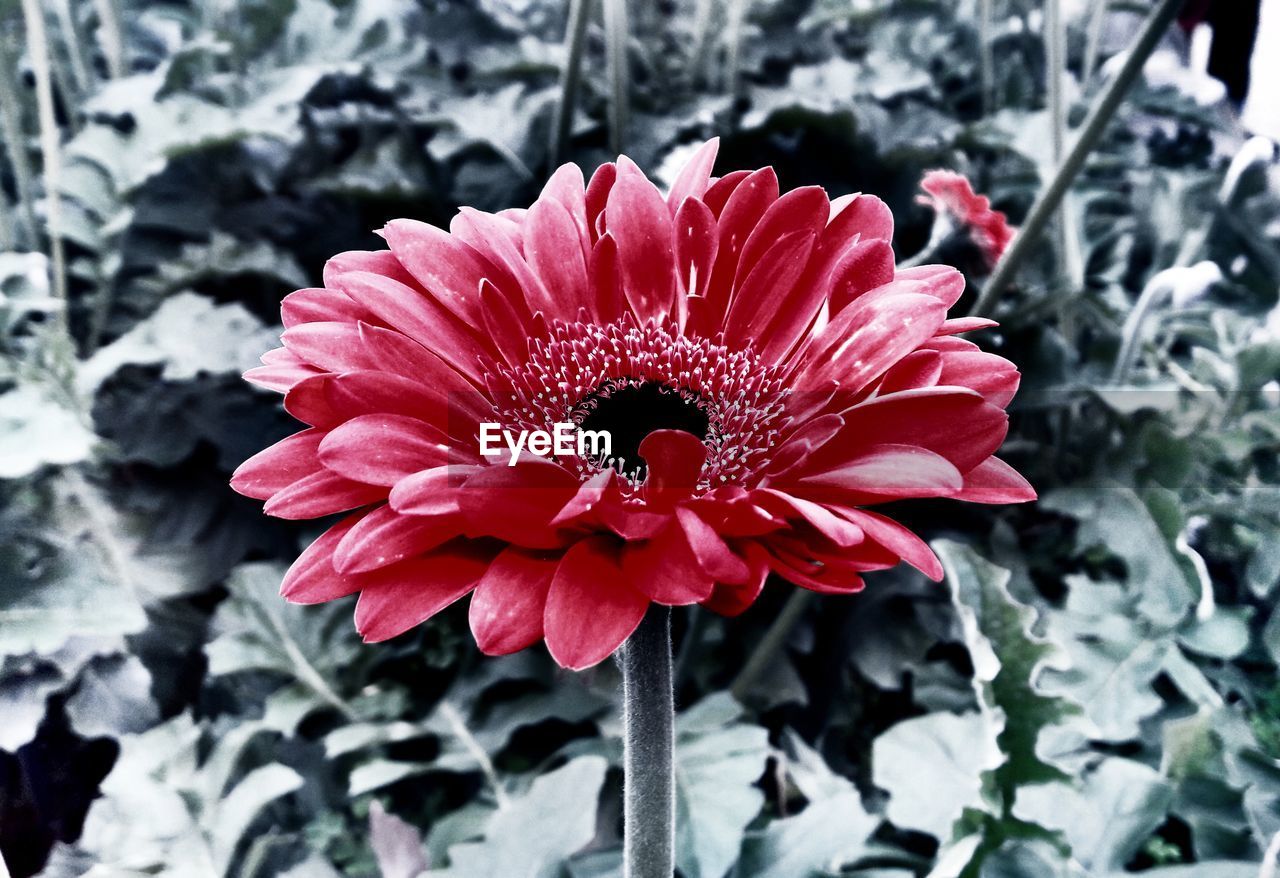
385 537
397 598
518 503
508 604
641 226
383 449
695 176
591 606
312 578
674 459
886 471
994 481
322 493
275 468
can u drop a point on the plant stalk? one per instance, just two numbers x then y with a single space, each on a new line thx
15 140
648 730
1090 133
111 36
772 643
618 62
575 39
38 50
986 60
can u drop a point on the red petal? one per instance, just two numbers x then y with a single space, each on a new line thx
868 337
994 481
431 492
674 460
768 286
666 570
943 282
591 606
518 503
508 604
319 306
397 598
554 251
420 317
915 370
713 553
383 449
566 186
887 471
312 578
385 537
641 226
322 493
748 203
897 539
991 375
695 176
449 268
276 468
308 401
719 192
965 324
696 243
597 196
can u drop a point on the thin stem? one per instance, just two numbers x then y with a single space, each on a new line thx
38 49
986 62
615 44
698 62
1093 39
459 726
15 140
110 36
648 728
74 44
733 50
772 643
1091 132
575 38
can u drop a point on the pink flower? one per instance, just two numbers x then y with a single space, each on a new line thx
764 372
952 194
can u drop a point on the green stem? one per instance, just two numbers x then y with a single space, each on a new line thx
15 140
570 75
648 730
772 643
986 62
38 50
615 42
110 36
1093 39
1091 132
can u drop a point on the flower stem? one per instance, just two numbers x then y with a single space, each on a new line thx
648 730
1090 133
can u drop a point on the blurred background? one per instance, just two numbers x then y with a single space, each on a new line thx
1093 690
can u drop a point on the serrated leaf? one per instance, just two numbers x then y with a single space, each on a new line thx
1112 515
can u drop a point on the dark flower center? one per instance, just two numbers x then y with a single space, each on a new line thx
631 412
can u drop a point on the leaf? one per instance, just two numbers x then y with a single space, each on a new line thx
37 431
816 841
1112 515
259 631
237 811
188 336
932 768
1106 817
1029 858
1113 660
536 833
718 761
1008 660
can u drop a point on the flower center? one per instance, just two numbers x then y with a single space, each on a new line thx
630 412
632 380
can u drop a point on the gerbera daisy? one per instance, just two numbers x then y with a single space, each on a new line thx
763 371
952 196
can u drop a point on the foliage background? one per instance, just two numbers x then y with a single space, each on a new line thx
1092 691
